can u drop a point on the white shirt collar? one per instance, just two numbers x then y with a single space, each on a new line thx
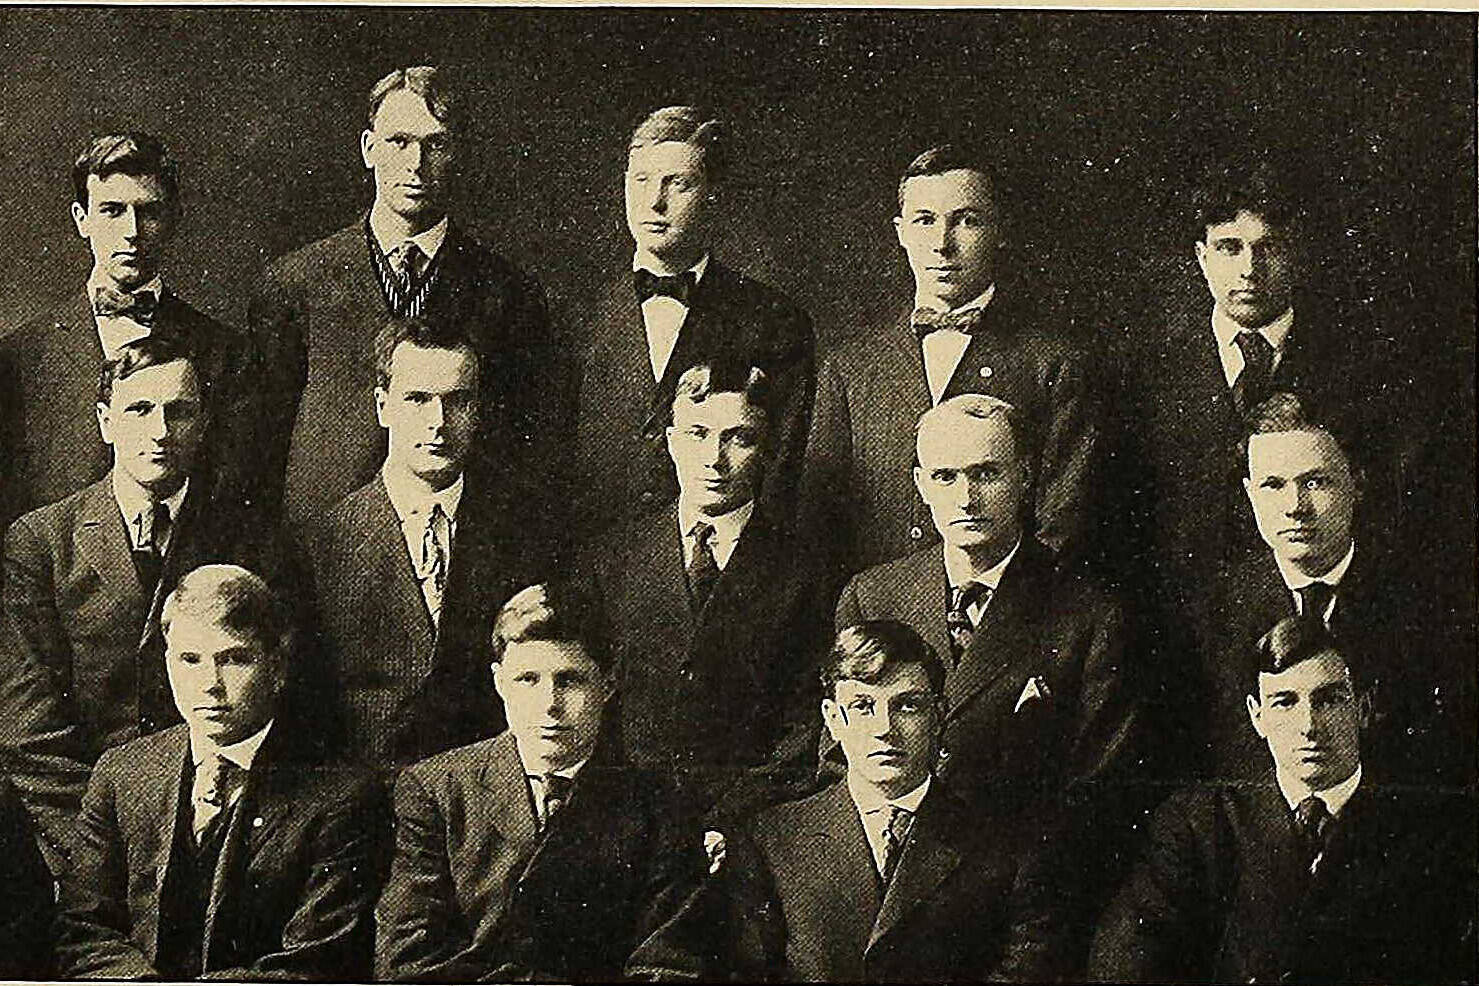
411 499
428 240
133 500
642 260
154 286
566 772
867 800
1226 329
727 527
1295 580
1335 798
979 301
241 753
959 572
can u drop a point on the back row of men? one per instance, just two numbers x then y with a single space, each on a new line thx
722 496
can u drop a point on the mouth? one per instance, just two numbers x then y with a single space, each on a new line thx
1297 534
886 756
441 449
213 711
944 270
655 225
1313 754
974 523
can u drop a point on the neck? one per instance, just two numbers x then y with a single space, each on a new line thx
1314 566
886 792
156 493
101 277
928 297
981 558
429 482
398 226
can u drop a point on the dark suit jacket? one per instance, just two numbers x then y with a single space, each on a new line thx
475 894
292 893
315 318
1222 893
621 464
723 699
49 441
805 902
871 391
27 908
404 687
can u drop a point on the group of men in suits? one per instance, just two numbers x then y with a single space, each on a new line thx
685 653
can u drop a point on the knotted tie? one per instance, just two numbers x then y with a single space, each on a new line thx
679 287
152 528
900 820
926 320
703 569
958 617
556 793
408 261
1314 600
215 780
140 306
433 568
1313 819
1251 386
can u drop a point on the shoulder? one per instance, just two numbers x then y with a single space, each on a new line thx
779 826
334 252
143 756
620 547
487 268
350 512
52 521
751 292
906 571
455 767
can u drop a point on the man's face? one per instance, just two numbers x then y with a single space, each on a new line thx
948 229
154 422
127 222
430 410
1311 717
1303 495
1250 269
225 683
411 153
889 731
667 200
553 695
715 445
973 481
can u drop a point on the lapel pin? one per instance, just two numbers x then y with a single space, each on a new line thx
257 822
986 372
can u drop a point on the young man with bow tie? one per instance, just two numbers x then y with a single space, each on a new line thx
212 849
1320 869
538 856
126 206
677 306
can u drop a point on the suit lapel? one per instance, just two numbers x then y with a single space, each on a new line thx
162 795
923 597
905 364
1006 634
235 856
384 551
664 597
847 880
507 797
928 859
103 540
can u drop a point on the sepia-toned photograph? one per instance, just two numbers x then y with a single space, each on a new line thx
538 494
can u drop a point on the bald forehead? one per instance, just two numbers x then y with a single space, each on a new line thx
947 434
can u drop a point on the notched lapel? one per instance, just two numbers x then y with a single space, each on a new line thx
507 796
1006 637
103 541
163 792
928 860
383 550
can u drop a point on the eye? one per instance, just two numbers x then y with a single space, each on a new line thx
1315 483
924 220
985 474
697 433
398 141
943 476
139 408
527 678
862 706
437 142
111 209
742 439
1271 483
1282 701
1230 247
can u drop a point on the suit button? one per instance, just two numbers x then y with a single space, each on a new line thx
916 532
648 496
986 372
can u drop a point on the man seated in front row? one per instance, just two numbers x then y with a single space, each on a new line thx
885 876
212 848
1319 871
535 856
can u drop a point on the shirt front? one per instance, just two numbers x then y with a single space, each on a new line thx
958 572
943 349
663 317
117 331
727 530
1335 798
874 812
1226 330
137 508
1295 580
241 754
537 785
429 241
413 504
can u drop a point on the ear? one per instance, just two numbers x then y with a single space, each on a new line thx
79 219
833 719
1364 708
497 668
105 423
1200 249
899 229
366 141
918 474
668 434
1248 489
1255 715
380 407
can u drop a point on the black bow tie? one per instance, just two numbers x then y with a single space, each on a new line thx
112 303
927 320
679 287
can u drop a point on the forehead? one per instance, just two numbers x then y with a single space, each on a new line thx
1247 226
430 368
199 630
667 157
405 111
548 657
1324 668
901 679
960 440
1295 452
948 191
117 187
718 411
160 383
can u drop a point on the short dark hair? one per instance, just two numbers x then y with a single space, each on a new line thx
560 610
137 155
154 349
723 376
687 125
1251 183
1287 411
421 332
1293 640
949 157
428 82
240 601
870 650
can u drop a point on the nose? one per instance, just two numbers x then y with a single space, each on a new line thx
659 201
883 723
157 424
1304 720
436 414
944 239
414 156
554 702
215 683
1302 503
130 223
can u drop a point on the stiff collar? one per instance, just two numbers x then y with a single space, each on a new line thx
727 527
1225 329
133 499
867 799
958 570
409 497
241 753
979 301
642 260
1335 798
1295 580
566 772
428 240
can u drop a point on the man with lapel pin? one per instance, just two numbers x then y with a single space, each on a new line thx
536 856
712 616
411 567
966 332
317 308
885 876
126 205
208 850
1319 870
85 578
679 306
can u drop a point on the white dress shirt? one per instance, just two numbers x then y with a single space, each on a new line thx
663 317
429 241
117 331
727 530
241 753
944 348
1295 580
1226 330
537 785
1335 798
137 508
874 812
958 571
413 503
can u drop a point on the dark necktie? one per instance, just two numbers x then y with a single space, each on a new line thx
218 780
556 793
1313 820
1314 599
679 287
958 617
703 569
407 260
900 820
137 305
927 320
1251 386
148 557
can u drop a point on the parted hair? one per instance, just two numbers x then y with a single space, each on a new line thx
982 407
1293 640
687 125
948 157
871 650
428 82
421 332
726 377
561 611
1250 183
1287 411
138 155
155 349
239 600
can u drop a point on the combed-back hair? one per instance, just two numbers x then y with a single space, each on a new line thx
154 349
687 125
1293 640
138 155
1245 184
871 650
949 157
237 599
981 407
428 82
561 611
726 377
1287 411
421 332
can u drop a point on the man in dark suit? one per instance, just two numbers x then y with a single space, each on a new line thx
535 856
686 308
318 307
713 617
958 337
85 578
1319 871
411 567
126 207
207 849
884 876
